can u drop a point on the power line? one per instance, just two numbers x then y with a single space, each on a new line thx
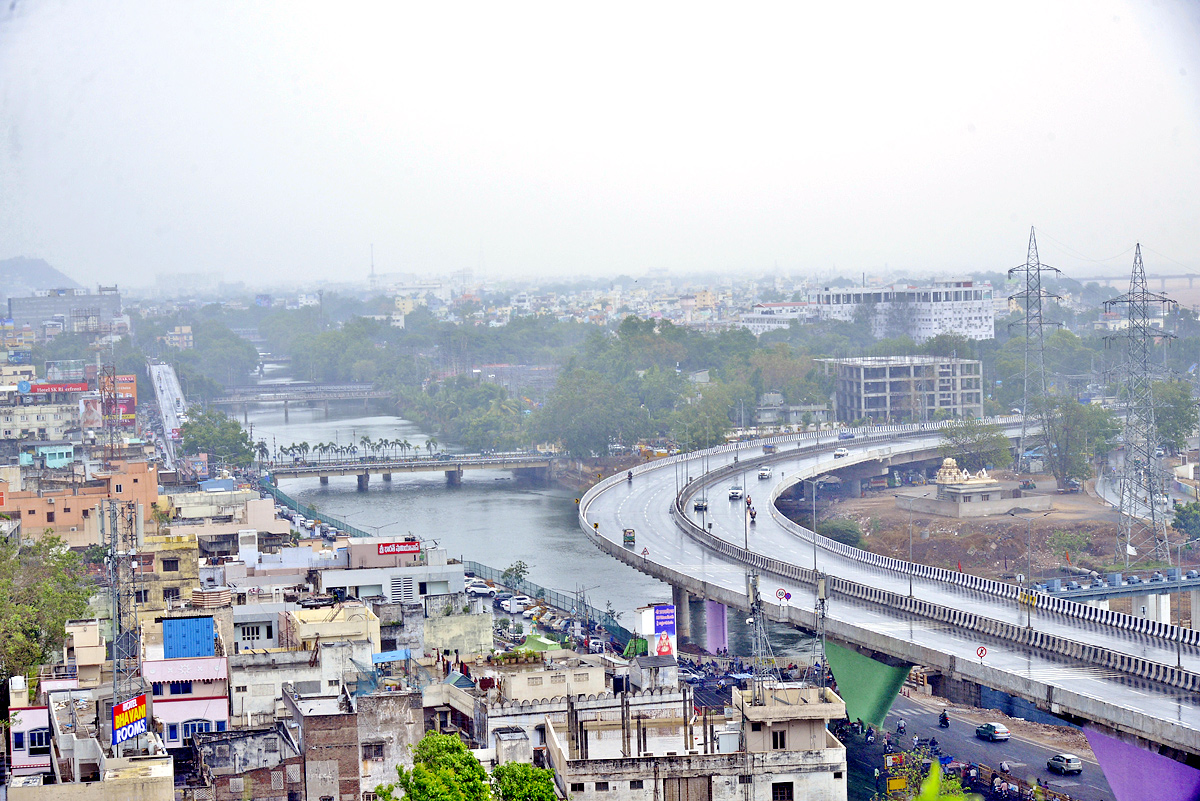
1032 298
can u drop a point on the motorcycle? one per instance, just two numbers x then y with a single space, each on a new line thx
629 476
944 721
753 514
901 728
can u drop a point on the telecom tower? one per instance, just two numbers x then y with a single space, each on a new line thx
1142 528
121 530
1031 298
762 666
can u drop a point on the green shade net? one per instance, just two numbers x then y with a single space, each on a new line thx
868 687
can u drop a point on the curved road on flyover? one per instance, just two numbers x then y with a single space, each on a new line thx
646 506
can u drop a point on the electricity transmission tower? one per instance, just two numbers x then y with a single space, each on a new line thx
1142 528
1034 385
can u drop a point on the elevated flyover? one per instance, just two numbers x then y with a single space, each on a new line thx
287 394
1134 677
534 465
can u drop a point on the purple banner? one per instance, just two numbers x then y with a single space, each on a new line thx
1135 774
715 625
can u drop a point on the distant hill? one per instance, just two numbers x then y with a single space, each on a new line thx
19 277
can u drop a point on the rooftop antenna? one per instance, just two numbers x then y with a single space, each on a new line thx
1034 384
762 661
1142 524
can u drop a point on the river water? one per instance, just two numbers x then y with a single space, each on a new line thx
490 517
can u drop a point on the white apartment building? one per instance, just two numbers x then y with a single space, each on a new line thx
921 312
764 317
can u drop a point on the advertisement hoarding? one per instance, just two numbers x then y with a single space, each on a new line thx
38 389
658 627
65 370
393 548
129 719
91 412
127 409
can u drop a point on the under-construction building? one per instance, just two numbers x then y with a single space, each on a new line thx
906 388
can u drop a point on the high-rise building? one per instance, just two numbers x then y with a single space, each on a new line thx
920 312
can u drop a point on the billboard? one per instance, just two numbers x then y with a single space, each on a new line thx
126 386
91 412
65 370
38 389
129 719
658 627
392 548
20 357
127 411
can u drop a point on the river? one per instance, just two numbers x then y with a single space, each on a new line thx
490 517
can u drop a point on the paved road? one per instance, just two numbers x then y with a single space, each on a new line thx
645 505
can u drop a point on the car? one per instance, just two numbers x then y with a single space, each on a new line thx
1133 579
845 435
992 732
764 472
1064 764
1192 574
500 598
530 611
1157 576
841 453
515 604
480 589
1159 452
700 504
1074 585
735 493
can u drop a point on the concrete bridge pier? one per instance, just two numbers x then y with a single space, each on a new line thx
364 481
1152 607
540 474
387 477
1099 603
716 623
454 477
326 407
285 411
683 615
324 479
1195 608
246 414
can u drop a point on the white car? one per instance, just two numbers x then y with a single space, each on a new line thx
515 604
735 493
479 588
764 472
841 453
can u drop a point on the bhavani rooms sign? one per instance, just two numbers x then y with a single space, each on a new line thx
129 719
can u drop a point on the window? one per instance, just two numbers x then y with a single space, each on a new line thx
779 739
49 517
373 752
220 725
118 489
170 593
369 796
19 741
173 731
333 683
576 787
581 678
66 509
251 633
141 596
156 688
421 588
602 787
270 632
755 726
534 681
781 791
558 678
636 784
182 688
191 727
170 566
745 778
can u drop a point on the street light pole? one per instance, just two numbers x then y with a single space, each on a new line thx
910 538
1028 561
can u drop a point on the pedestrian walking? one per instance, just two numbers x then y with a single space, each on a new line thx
876 778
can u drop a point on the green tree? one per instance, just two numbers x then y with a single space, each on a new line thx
1071 433
518 781
443 770
1187 519
974 443
220 436
1175 414
934 786
841 530
42 586
514 573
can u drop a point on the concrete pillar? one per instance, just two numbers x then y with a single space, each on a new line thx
683 615
324 479
285 411
453 477
246 413
1099 603
1152 607
387 477
1195 608
364 481
716 626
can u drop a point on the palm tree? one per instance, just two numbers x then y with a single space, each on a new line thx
430 445
303 448
405 447
262 450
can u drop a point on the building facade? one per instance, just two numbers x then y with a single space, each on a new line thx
882 389
921 312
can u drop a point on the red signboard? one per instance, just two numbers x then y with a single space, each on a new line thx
43 388
391 548
129 719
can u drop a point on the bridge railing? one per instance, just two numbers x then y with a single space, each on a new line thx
310 512
557 599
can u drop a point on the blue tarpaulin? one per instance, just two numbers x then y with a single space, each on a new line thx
391 656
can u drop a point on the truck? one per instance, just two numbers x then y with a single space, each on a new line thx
628 538
768 448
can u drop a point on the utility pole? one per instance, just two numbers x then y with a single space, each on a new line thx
1030 298
1142 527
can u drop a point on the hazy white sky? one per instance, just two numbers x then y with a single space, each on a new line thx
277 140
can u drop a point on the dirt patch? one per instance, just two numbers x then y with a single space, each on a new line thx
1079 534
